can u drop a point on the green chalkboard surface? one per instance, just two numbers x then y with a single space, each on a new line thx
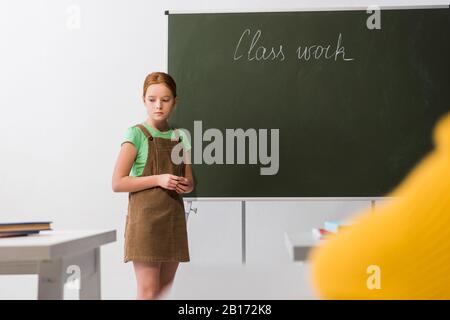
354 107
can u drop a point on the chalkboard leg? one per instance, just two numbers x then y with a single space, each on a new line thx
243 232
188 209
372 204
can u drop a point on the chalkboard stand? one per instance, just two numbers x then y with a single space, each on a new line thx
244 244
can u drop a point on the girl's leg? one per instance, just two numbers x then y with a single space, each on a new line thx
148 279
167 274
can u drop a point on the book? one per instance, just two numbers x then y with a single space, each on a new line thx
25 226
320 233
6 234
335 226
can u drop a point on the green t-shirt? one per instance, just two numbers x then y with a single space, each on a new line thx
138 139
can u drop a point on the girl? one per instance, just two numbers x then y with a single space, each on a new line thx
155 232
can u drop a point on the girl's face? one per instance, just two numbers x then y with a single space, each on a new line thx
159 102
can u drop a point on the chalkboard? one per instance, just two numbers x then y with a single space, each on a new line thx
354 107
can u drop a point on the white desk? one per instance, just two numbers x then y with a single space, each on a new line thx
50 253
300 244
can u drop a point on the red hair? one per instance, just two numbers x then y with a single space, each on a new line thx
160 77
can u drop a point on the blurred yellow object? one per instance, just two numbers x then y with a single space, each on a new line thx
402 251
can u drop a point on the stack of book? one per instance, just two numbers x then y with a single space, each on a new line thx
330 227
17 229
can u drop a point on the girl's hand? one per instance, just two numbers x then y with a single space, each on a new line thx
168 181
184 185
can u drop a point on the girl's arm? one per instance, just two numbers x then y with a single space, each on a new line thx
186 184
122 182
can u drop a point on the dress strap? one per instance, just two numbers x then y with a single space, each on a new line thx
145 131
149 136
177 134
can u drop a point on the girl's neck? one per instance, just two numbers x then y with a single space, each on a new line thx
162 126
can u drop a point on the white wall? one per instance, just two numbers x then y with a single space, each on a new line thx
66 99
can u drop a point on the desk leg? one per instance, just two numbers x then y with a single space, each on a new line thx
90 284
51 280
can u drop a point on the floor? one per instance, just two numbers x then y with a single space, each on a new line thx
242 282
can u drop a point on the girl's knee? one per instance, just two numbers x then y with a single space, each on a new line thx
165 287
148 293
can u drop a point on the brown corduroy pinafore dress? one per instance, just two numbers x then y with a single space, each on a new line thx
155 229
